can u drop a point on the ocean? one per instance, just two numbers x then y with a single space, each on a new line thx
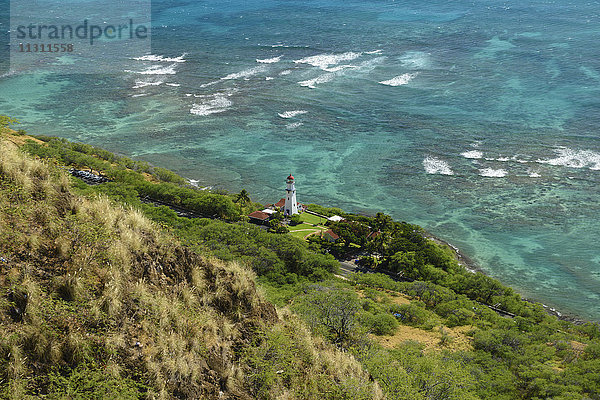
478 120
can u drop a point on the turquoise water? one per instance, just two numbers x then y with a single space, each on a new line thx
477 120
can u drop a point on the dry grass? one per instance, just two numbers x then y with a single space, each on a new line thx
103 283
290 363
432 340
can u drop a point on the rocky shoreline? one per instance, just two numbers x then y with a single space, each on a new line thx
473 267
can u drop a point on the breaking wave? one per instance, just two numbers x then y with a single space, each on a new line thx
292 114
434 165
323 61
400 80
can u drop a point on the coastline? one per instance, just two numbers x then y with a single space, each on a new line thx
473 267
469 264
464 260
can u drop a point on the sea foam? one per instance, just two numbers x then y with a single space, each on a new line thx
434 165
292 114
294 125
400 80
157 70
153 57
141 84
415 60
493 173
269 60
474 154
217 103
323 61
246 73
312 83
575 159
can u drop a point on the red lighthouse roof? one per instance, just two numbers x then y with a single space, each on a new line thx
290 177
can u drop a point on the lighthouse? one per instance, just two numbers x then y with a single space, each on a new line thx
291 205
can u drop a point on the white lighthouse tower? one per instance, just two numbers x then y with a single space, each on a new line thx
291 205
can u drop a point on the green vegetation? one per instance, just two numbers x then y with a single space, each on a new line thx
106 296
6 122
100 302
305 224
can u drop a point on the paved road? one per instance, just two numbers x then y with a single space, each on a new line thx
346 268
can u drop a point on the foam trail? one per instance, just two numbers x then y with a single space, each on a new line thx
400 80
473 154
245 73
312 83
173 84
517 159
339 68
533 174
575 159
292 114
286 72
217 104
415 60
493 173
141 84
153 57
434 165
294 125
370 65
269 60
157 70
209 84
323 61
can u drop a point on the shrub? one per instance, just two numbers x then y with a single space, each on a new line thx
331 312
413 314
88 381
383 324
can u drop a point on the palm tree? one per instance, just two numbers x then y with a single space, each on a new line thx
243 197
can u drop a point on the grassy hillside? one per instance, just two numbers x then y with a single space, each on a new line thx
99 302
106 295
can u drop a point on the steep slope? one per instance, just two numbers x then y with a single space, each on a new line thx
97 302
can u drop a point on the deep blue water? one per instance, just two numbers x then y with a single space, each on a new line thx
477 120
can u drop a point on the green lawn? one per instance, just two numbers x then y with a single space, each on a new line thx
307 225
312 219
300 234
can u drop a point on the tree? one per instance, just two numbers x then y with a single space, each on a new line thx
409 263
383 222
6 122
243 197
332 312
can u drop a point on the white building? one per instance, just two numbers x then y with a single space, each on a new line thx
291 204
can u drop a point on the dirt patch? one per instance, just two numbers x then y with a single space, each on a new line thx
432 340
20 140
399 299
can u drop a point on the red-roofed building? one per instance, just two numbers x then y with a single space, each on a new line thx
259 217
373 234
279 204
330 236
